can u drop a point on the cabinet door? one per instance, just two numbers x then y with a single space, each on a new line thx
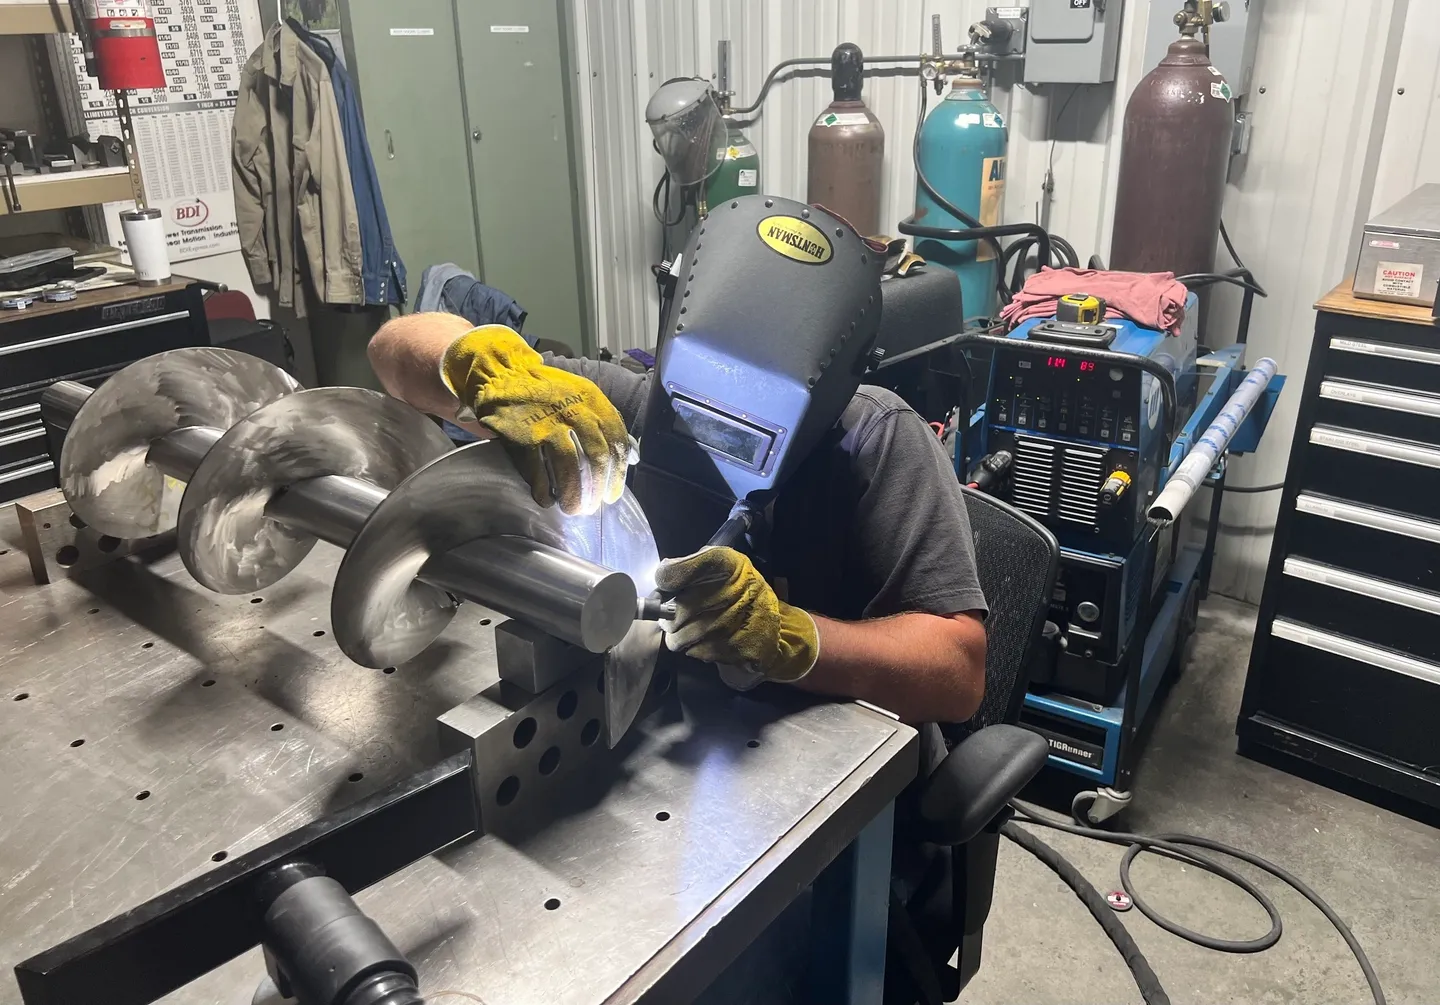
516 72
403 60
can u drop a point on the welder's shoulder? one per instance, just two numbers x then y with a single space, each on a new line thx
879 413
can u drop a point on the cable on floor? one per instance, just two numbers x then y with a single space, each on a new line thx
1182 848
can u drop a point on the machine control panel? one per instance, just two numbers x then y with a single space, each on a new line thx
1063 395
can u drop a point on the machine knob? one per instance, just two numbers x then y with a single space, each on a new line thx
1088 612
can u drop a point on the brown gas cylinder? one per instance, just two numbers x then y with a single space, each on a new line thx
847 148
1173 159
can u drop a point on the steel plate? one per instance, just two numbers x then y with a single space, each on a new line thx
383 615
102 465
227 541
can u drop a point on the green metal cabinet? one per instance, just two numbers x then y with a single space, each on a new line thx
467 108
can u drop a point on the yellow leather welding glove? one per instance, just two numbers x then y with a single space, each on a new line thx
726 613
564 435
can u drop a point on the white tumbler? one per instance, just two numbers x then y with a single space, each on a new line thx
145 242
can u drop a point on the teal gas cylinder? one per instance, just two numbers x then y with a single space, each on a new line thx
962 152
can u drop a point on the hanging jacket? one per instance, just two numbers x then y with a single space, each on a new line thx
294 205
382 271
450 288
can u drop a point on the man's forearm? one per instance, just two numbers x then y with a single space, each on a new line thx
922 667
405 354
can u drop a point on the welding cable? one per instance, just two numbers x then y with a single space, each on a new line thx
1241 266
1236 277
1182 848
1276 487
816 62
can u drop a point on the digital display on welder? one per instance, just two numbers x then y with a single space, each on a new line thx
725 435
1056 362
1065 395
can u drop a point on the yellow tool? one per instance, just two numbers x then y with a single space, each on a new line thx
1080 308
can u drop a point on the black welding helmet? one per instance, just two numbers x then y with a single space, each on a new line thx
773 314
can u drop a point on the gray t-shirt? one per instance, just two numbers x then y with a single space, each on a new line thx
872 524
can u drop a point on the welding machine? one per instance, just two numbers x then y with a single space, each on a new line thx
1090 421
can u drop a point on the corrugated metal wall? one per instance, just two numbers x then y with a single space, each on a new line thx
1327 69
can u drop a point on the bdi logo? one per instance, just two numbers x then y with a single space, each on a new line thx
192 214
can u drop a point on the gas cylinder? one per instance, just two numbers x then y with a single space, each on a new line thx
1173 158
962 152
739 170
847 147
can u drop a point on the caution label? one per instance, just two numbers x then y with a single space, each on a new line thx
992 200
797 240
1399 279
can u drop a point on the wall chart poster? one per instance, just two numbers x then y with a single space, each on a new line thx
182 130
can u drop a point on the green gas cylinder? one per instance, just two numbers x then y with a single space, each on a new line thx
739 170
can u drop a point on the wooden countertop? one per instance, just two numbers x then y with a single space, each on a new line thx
97 298
1341 300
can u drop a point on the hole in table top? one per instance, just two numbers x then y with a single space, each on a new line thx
524 733
45 525
93 610
590 732
76 522
77 743
388 670
484 622
508 790
257 600
549 761
567 704
355 776
143 794
318 632
220 856
662 816
752 743
22 696
207 683
4 551
275 727
67 556
107 543
553 904
147 645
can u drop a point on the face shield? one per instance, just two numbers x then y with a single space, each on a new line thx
685 120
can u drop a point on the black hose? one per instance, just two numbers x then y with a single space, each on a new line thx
784 65
1236 277
1180 846
1145 979
1239 265
1276 487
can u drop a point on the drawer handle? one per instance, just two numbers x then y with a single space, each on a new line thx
30 434
1375 397
1414 527
1350 649
1365 586
15 413
1405 451
1387 350
41 343
26 472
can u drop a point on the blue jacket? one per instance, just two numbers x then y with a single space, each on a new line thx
449 288
382 271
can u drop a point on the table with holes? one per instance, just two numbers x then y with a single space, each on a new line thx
149 728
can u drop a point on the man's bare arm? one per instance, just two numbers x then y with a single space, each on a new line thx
405 354
922 667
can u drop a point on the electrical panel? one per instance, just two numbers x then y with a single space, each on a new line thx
1073 41
1232 41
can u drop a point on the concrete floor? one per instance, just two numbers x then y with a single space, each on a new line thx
1380 871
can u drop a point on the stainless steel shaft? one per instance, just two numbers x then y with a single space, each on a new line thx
567 596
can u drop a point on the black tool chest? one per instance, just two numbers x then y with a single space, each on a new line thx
1345 669
86 339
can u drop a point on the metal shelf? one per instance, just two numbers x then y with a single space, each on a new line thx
34 18
69 188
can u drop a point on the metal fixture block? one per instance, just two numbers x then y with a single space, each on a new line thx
535 660
57 541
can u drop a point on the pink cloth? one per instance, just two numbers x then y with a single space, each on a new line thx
1152 299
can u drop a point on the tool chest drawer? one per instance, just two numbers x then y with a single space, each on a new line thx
1380 409
1410 367
22 444
1367 540
1356 692
104 345
1374 470
1349 603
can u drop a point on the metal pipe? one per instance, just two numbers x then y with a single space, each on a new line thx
61 401
567 597
1211 445
179 452
331 507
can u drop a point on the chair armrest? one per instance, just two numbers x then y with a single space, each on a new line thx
978 777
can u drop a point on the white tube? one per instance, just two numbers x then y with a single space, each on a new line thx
1211 445
144 231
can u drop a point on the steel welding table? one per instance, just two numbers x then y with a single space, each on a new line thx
150 728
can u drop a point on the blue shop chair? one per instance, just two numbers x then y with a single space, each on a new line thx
948 827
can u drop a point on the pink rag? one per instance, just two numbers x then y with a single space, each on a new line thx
1152 299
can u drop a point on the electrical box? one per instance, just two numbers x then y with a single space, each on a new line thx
1232 42
1073 41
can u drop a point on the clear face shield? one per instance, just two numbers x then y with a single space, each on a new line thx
686 122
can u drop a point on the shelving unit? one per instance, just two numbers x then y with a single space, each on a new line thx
70 189
34 18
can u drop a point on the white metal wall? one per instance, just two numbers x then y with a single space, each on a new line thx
1327 68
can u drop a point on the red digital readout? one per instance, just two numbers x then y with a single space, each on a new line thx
1086 367
1057 362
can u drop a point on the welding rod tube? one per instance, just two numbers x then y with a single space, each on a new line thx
1211 445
